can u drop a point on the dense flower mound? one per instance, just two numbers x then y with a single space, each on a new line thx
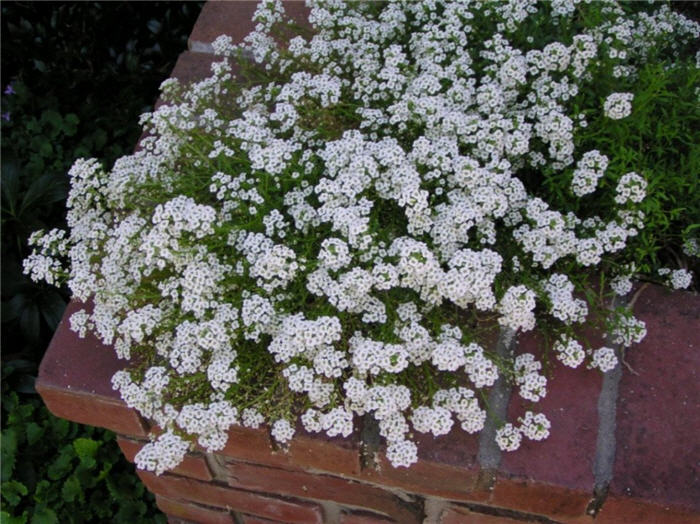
343 228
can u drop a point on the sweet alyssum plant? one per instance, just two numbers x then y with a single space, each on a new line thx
344 227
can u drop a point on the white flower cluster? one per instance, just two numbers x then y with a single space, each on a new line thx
628 330
630 188
534 426
618 105
604 359
677 278
282 431
163 454
340 240
589 170
569 351
43 263
533 385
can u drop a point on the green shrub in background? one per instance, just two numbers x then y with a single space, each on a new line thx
73 84
57 471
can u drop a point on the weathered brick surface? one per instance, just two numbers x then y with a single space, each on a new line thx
321 487
253 445
250 519
429 478
79 365
211 494
189 512
555 502
658 419
194 466
93 410
571 407
220 18
235 20
322 453
305 452
458 515
75 380
191 67
622 510
357 517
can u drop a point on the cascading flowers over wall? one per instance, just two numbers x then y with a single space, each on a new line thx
343 226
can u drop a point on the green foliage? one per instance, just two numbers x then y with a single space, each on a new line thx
659 141
57 471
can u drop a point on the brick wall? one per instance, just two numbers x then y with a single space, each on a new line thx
623 447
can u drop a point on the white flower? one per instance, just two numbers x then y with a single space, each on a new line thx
165 453
508 437
628 330
680 278
604 359
252 418
589 170
534 426
282 431
516 308
341 233
621 284
630 188
402 453
618 105
569 351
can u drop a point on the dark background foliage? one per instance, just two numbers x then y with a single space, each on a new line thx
75 78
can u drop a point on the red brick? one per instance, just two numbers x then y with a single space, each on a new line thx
658 416
235 20
92 409
554 502
446 468
335 455
617 510
75 380
192 67
566 457
193 512
457 515
364 518
320 487
210 494
194 466
429 478
252 445
249 519
218 18
82 365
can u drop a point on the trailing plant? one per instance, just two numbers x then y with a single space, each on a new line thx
345 228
